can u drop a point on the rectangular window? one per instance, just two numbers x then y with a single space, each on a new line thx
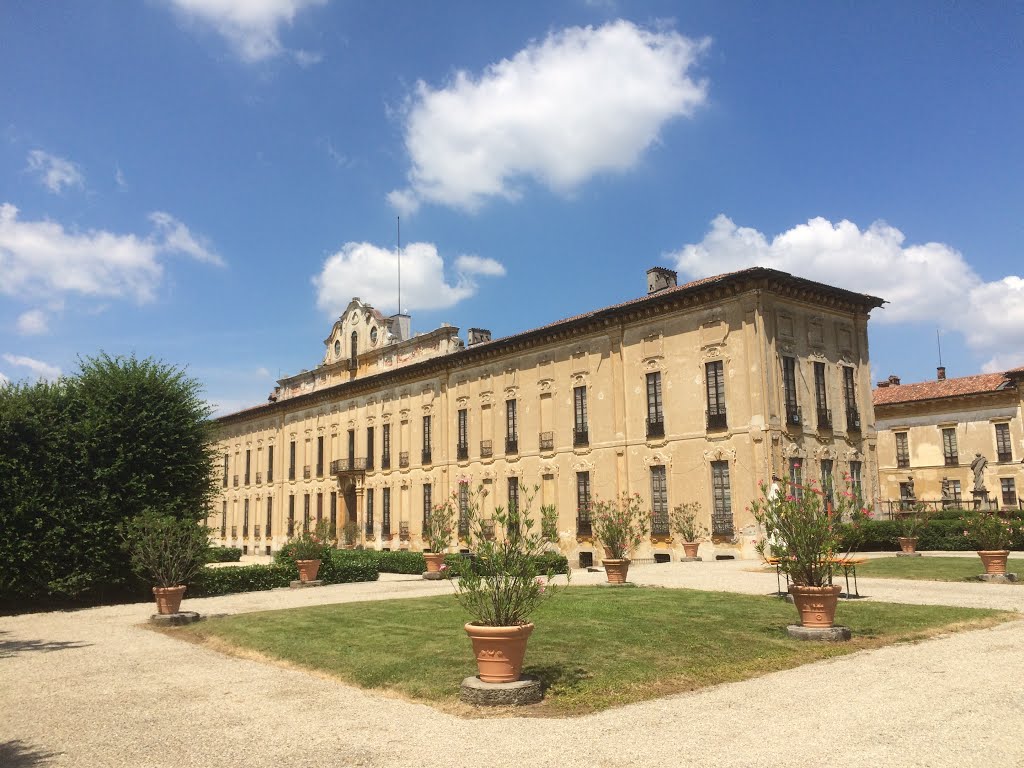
291 460
320 456
821 397
827 483
655 415
583 527
907 496
426 440
385 449
369 447
1009 491
291 515
319 508
369 511
245 518
721 518
902 451
949 450
305 513
334 513
580 433
850 400
796 478
270 464
714 388
856 479
463 510
954 491
351 449
385 511
270 516
462 449
659 501
223 519
1004 448
793 416
428 490
513 494
225 470
511 428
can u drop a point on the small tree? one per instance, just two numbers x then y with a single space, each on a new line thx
166 549
440 525
549 523
620 525
683 521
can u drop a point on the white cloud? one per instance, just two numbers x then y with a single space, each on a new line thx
55 173
364 270
33 323
580 102
479 265
42 260
40 369
250 26
120 178
4 380
921 282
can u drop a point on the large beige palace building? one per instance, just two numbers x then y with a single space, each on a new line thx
695 392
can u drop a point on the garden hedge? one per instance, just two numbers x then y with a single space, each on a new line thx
944 532
255 578
224 555
405 561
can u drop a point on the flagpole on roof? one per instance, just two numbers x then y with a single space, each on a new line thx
398 224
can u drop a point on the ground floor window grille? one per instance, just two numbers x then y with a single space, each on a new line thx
721 518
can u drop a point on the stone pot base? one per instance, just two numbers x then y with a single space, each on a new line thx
997 578
525 690
433 575
304 584
827 634
691 559
175 619
908 554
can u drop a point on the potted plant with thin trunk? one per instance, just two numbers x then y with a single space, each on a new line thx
438 529
993 535
502 586
621 526
308 548
168 550
350 534
911 523
683 522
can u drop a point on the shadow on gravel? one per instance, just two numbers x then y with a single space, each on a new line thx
10 648
18 754
560 677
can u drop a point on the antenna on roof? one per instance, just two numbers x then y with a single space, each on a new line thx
938 341
398 224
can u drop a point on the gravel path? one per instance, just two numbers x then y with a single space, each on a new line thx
93 689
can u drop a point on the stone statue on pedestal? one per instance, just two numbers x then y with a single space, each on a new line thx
978 468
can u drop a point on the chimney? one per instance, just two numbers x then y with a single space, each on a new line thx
400 326
894 380
941 371
478 336
659 278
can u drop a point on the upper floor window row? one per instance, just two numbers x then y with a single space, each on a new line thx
822 407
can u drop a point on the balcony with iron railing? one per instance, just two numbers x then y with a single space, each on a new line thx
511 446
824 418
461 452
717 419
307 472
655 429
580 437
546 441
583 525
351 464
852 420
403 460
659 524
403 531
426 457
385 461
794 415
485 449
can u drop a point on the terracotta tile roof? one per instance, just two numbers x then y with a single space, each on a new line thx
939 388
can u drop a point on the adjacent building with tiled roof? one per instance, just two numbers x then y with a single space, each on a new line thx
693 392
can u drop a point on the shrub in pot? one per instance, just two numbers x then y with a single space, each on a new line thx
911 523
993 534
307 549
620 525
683 523
169 551
438 529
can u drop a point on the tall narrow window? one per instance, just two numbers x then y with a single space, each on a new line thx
659 501
850 400
369 511
334 512
902 451
580 432
320 456
385 511
1009 489
1004 448
270 464
351 449
369 447
955 493
949 450
821 397
827 485
270 516
428 491
426 441
225 470
223 519
856 481
721 517
793 415
291 460
385 448
319 508
353 350
305 513
462 448
245 518
655 415
511 429
583 527
513 494
796 479
291 515
714 386
463 510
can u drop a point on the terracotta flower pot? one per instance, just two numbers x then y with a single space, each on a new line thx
499 651
168 599
994 560
816 605
690 548
908 544
308 569
616 570
434 561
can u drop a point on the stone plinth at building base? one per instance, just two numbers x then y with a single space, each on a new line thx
175 619
433 576
828 635
305 584
525 690
908 554
997 578
691 559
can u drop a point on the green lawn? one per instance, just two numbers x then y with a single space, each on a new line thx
931 568
593 647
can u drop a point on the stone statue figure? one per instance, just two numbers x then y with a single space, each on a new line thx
978 468
910 487
946 496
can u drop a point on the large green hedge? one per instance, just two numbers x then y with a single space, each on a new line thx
405 561
254 578
224 555
943 532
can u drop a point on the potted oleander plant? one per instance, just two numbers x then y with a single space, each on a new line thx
438 529
168 550
502 586
683 522
993 535
308 548
549 525
620 525
911 522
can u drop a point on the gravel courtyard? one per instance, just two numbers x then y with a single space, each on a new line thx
97 689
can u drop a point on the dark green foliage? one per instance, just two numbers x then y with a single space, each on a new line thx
254 578
79 458
404 561
943 533
223 554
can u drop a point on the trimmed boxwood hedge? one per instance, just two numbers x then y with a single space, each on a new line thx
405 561
223 554
254 578
944 532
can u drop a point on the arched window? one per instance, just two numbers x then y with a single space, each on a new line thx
353 348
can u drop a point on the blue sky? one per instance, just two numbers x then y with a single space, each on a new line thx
209 181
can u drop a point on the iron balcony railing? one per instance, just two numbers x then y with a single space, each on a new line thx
824 418
307 472
403 459
583 525
894 510
655 428
403 531
722 523
852 420
485 449
659 524
717 419
426 457
547 441
794 415
580 437
511 445
461 453
351 464
385 461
